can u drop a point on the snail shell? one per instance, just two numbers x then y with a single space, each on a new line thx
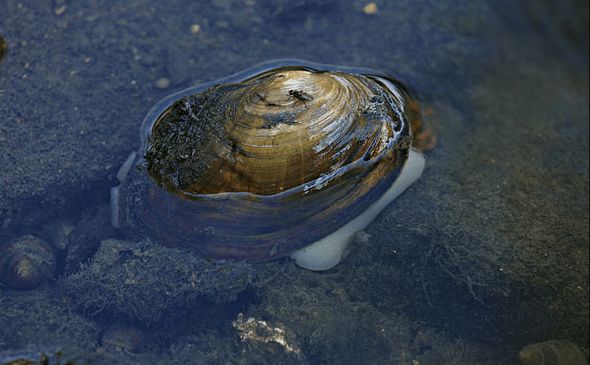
269 161
552 352
26 262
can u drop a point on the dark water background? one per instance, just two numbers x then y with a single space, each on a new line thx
488 252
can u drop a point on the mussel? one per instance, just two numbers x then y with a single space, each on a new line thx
286 158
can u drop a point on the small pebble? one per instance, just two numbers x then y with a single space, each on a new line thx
370 8
195 28
59 10
163 83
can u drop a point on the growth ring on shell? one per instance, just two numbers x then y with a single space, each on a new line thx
266 162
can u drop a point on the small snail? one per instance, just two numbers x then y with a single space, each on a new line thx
552 352
25 262
288 158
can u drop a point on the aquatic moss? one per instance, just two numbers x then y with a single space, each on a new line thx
42 319
150 283
327 318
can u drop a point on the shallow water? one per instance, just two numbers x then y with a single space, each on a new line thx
487 253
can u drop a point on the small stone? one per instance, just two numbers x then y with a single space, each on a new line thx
59 10
371 8
163 83
195 28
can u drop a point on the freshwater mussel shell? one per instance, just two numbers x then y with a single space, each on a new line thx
338 151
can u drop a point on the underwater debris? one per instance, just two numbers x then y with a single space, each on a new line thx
252 329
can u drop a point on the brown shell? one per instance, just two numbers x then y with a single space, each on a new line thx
267 161
25 262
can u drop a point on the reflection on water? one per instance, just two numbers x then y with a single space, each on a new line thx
485 254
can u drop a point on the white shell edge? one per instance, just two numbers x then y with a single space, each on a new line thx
115 207
327 252
121 176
